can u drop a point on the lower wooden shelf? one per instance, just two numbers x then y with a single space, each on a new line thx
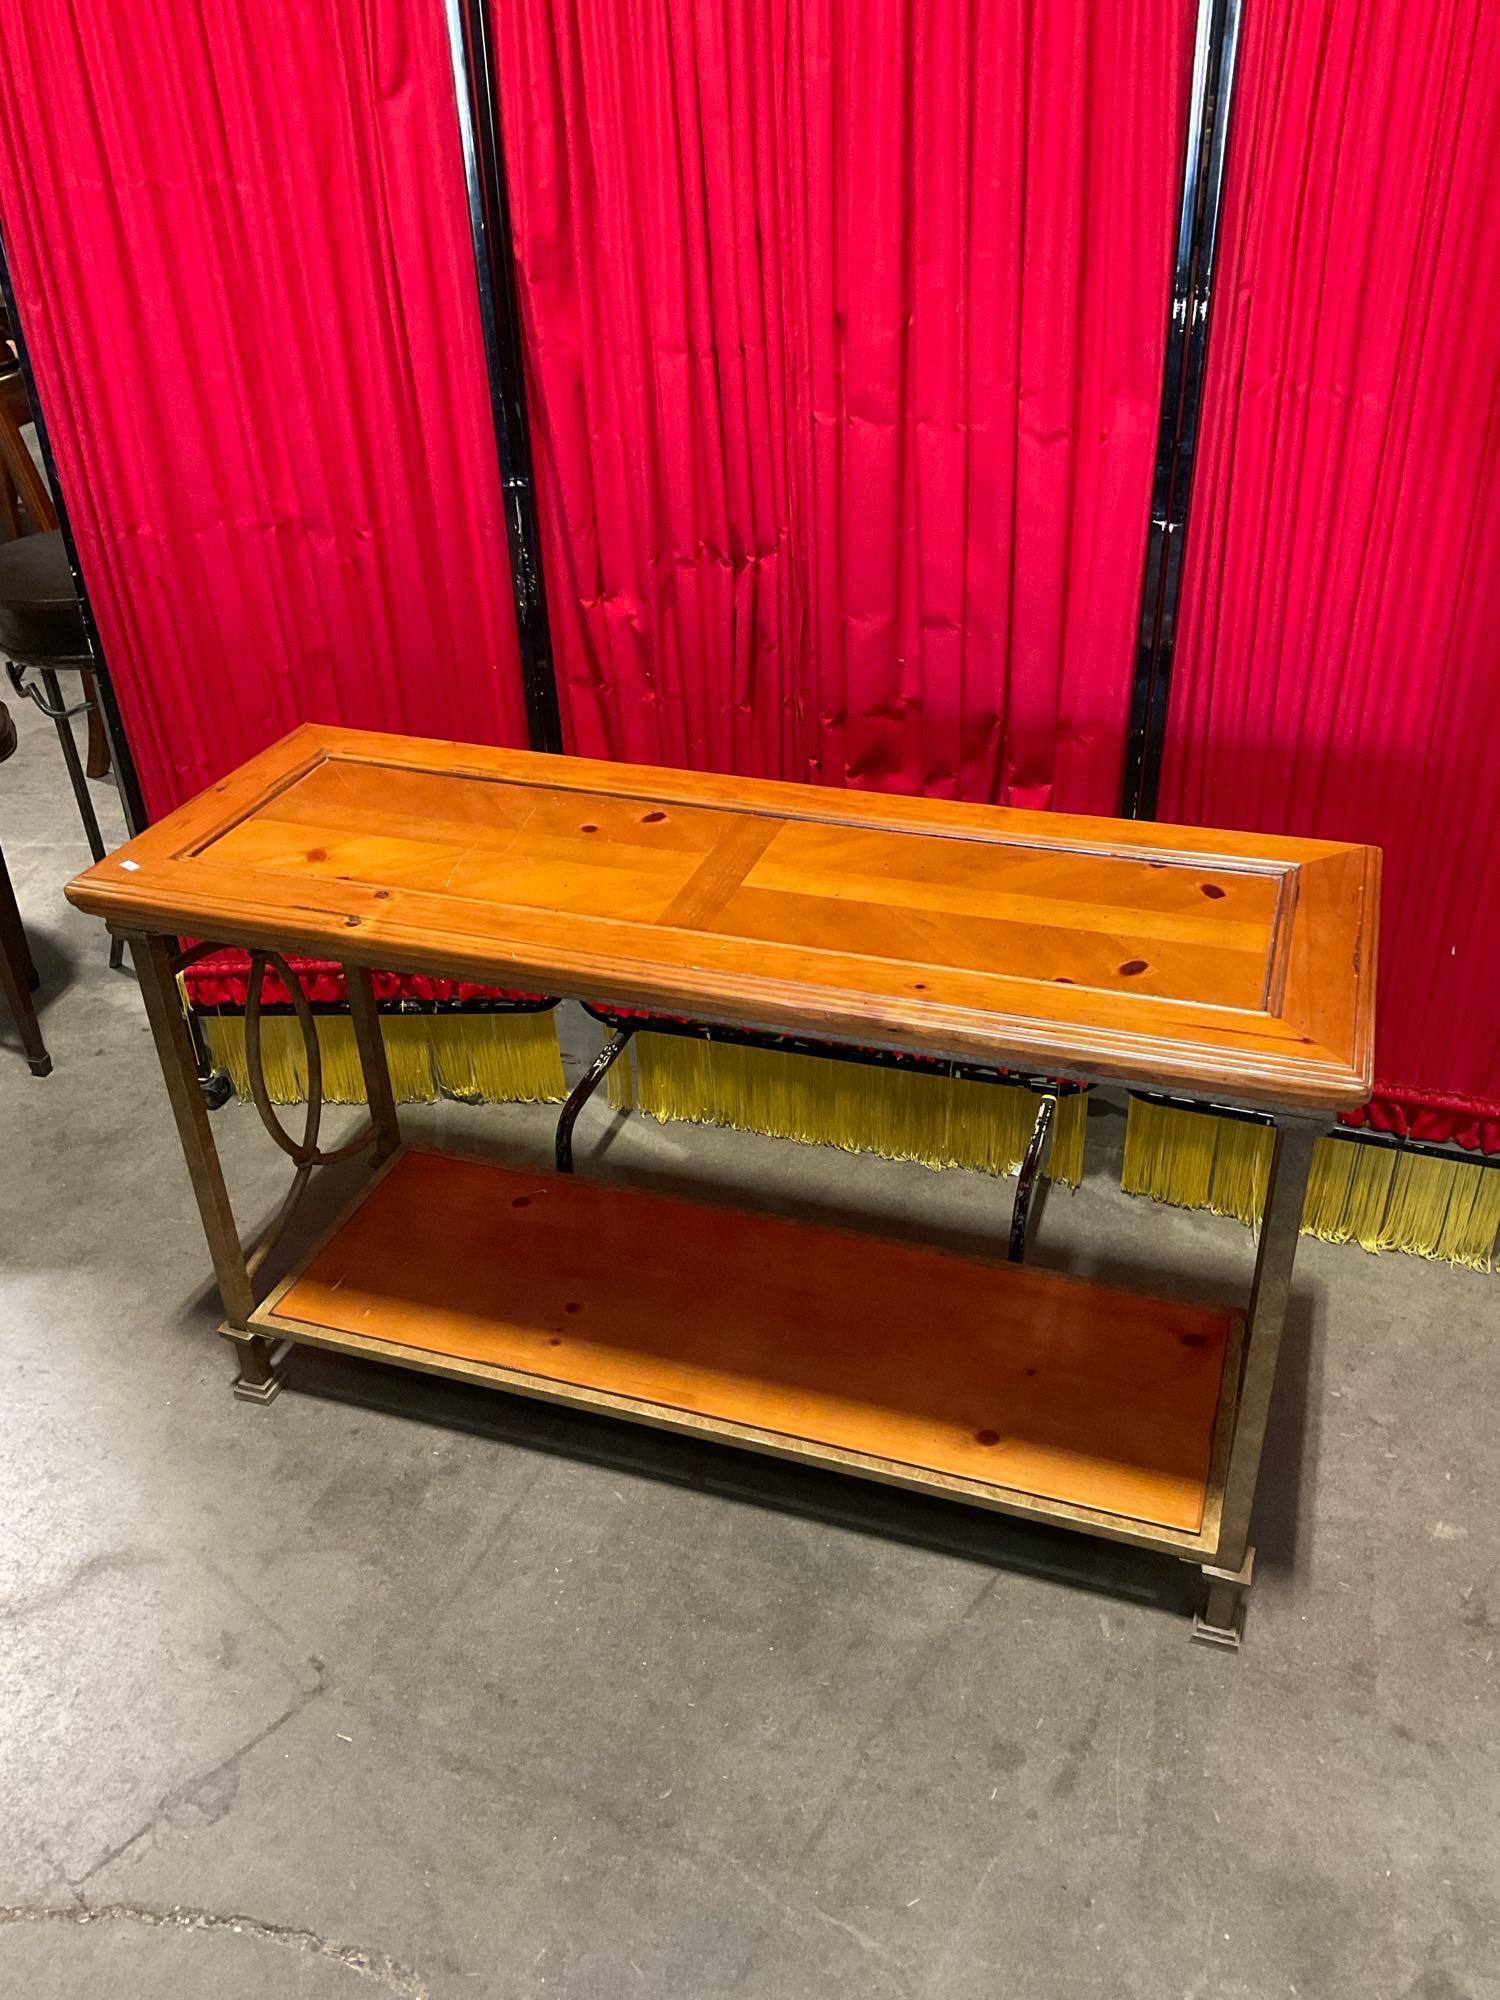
996 1383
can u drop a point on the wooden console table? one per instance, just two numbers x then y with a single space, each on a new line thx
1231 968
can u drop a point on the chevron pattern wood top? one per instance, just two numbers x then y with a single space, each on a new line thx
1222 964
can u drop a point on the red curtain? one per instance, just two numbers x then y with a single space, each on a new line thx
239 241
845 327
1338 668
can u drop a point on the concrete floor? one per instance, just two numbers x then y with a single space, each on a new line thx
485 1700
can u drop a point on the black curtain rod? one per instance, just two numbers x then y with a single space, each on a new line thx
1215 50
476 90
1216 44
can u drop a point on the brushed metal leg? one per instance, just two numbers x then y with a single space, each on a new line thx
174 1048
1229 1575
370 1041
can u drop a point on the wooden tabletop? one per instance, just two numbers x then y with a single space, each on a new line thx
1226 965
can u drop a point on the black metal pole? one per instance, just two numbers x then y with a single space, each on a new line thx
127 779
476 89
1215 50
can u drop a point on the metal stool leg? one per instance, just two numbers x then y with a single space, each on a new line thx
62 719
49 700
57 708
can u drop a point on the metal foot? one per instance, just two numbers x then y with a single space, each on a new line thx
40 1065
258 1381
1221 1622
257 1392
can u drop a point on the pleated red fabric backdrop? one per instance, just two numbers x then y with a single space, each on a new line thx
239 242
1338 668
845 327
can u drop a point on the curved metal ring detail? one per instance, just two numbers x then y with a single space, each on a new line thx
306 1151
254 1000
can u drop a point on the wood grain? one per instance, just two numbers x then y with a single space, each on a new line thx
1223 964
1008 1377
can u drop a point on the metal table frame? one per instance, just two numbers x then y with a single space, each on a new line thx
1222 1552
624 1027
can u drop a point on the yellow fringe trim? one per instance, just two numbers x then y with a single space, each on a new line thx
487 1058
900 1114
1370 1195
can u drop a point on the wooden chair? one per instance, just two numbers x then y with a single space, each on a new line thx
25 504
19 978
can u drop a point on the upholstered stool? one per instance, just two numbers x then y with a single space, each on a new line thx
42 631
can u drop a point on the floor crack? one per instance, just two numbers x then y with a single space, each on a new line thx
183 1794
396 1978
